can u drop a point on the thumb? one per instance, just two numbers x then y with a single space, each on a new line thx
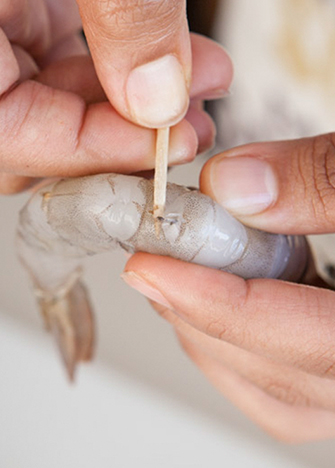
141 51
286 187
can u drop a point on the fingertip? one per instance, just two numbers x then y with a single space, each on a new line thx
183 143
212 71
27 66
203 126
10 70
204 177
11 184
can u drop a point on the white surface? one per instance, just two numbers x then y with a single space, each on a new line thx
106 420
140 403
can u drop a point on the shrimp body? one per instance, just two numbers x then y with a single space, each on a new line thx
72 218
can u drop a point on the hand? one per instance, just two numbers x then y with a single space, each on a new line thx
267 345
55 119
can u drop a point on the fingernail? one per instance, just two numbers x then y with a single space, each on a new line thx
157 93
218 93
244 185
148 290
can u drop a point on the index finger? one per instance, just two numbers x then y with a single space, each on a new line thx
290 323
49 132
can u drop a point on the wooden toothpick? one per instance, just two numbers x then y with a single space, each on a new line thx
160 181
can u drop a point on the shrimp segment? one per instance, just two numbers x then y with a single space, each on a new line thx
72 218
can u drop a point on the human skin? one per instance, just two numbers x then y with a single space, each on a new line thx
267 345
55 118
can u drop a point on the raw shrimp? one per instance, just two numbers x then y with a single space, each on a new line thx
72 218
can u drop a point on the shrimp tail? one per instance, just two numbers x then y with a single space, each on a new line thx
70 320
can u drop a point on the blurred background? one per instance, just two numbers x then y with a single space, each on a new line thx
141 402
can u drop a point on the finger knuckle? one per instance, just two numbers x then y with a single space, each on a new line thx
286 392
135 20
237 304
221 313
328 369
318 174
22 101
165 313
214 327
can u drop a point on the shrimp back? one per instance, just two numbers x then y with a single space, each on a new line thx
72 218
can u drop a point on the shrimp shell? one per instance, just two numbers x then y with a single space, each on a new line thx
70 219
